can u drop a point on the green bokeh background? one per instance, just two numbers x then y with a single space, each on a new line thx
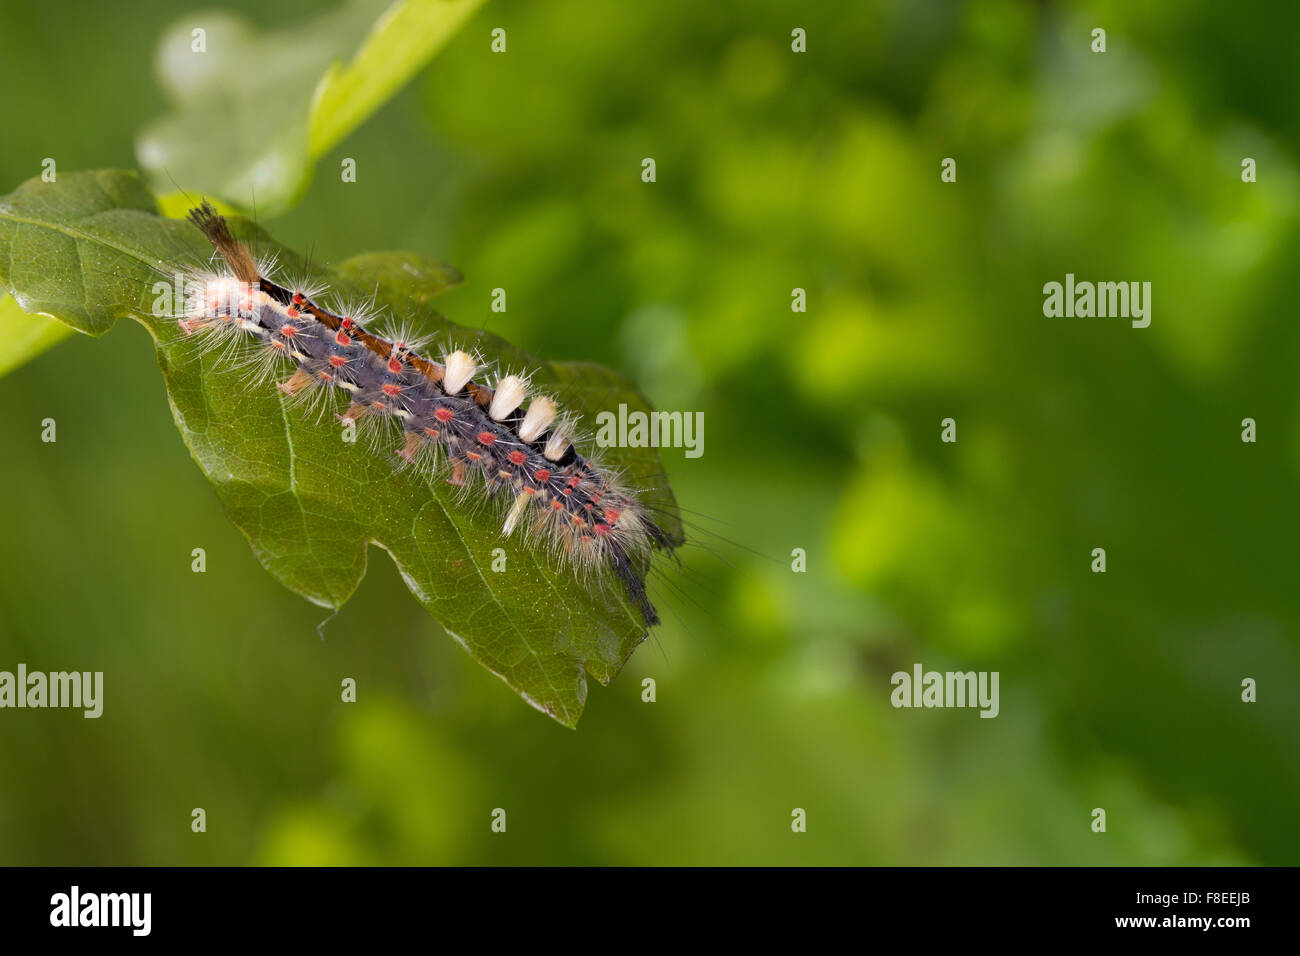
775 170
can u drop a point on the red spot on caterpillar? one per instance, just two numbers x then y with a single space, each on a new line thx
574 481
557 504
288 330
486 438
391 390
342 338
601 528
444 415
298 298
611 515
394 366
325 375
292 312
517 457
277 344
473 455
542 474
577 520
530 491
431 432
347 323
338 361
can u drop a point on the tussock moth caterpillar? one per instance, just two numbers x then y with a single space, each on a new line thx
451 419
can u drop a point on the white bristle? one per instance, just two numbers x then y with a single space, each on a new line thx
509 394
541 412
224 287
225 294
556 446
517 509
460 369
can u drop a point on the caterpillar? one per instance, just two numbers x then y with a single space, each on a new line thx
478 435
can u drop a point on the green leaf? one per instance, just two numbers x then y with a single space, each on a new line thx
403 273
88 250
254 109
75 249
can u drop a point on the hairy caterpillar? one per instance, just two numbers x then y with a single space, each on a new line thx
478 435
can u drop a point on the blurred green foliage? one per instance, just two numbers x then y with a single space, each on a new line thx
775 170
273 100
